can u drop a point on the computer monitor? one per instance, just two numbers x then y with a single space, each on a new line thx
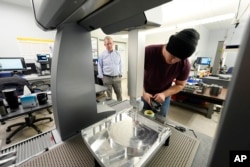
12 64
45 62
31 68
42 58
203 60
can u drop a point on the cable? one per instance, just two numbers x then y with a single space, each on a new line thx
193 132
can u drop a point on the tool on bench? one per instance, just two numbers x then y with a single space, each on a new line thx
179 128
156 107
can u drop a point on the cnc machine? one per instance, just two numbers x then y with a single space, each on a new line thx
73 91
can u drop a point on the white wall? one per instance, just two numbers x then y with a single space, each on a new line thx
163 37
19 21
207 44
16 22
231 36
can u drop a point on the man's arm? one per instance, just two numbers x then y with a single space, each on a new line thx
177 87
120 66
100 66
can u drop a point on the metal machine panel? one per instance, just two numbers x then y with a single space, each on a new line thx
136 52
50 14
73 91
119 141
72 81
93 14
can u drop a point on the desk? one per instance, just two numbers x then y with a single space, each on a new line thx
35 77
216 80
24 111
205 97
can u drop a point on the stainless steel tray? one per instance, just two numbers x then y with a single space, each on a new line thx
119 140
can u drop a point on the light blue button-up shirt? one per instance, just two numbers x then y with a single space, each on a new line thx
109 63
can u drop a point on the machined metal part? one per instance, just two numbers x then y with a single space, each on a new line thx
119 140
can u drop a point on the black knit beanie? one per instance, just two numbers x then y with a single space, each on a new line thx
183 44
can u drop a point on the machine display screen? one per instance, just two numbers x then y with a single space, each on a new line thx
42 58
12 64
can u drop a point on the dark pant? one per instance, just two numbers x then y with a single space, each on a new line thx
114 82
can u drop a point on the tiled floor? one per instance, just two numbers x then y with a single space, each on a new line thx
26 132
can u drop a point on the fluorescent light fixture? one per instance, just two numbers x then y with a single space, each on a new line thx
192 23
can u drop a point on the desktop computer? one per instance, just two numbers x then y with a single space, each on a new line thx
44 61
31 69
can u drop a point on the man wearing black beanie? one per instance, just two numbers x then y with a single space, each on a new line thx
165 64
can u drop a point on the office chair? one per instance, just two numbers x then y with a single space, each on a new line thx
38 86
19 83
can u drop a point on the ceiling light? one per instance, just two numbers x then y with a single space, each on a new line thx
192 23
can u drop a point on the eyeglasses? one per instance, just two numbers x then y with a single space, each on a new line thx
109 43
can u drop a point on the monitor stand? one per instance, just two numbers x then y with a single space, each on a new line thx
44 73
44 69
17 73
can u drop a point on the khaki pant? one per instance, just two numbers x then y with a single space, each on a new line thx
114 82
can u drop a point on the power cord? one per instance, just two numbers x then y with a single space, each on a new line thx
193 132
181 129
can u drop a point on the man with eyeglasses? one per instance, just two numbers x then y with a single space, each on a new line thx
110 69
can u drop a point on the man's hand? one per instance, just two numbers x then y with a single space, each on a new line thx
146 96
159 97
